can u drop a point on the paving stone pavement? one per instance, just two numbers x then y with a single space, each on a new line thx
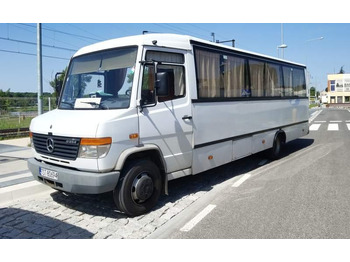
61 216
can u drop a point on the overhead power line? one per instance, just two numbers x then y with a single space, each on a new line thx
24 53
33 43
65 33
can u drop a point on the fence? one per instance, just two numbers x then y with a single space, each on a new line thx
25 104
17 112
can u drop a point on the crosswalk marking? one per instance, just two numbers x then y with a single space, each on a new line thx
333 127
25 175
330 127
314 127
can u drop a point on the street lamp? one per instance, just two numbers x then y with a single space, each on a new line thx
315 39
282 46
310 40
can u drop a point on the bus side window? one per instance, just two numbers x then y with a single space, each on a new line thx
171 95
177 75
169 62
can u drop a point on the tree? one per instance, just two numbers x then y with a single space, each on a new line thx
82 79
341 71
312 92
54 83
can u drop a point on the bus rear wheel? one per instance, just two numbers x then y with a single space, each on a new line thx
138 191
276 150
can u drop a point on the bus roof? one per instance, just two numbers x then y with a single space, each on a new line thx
167 40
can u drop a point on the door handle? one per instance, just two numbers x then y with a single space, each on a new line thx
186 117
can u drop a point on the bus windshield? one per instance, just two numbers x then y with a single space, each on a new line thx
101 80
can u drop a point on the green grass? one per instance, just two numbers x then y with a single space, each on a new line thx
14 122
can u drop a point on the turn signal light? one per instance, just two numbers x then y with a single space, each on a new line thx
134 136
96 141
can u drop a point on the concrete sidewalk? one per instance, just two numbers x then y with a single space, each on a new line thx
16 181
22 142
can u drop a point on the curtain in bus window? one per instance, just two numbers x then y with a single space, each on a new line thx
110 60
179 72
287 79
179 79
118 59
273 85
256 78
165 57
115 80
86 64
208 73
299 85
234 76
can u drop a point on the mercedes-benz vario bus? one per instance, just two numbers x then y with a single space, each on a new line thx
139 111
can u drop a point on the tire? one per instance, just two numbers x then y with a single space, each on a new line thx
276 150
138 191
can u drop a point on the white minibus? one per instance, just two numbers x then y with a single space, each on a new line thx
139 111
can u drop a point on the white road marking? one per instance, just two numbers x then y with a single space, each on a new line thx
239 182
9 178
336 121
333 127
314 115
192 223
314 127
320 121
348 125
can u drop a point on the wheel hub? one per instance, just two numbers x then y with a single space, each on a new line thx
142 188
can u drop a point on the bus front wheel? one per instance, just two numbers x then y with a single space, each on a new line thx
139 188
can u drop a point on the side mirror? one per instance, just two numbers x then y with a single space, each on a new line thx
59 83
164 83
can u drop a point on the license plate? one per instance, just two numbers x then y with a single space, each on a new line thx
48 173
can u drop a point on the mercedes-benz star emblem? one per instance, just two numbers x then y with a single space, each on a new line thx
50 145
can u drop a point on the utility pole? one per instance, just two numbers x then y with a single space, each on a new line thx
40 70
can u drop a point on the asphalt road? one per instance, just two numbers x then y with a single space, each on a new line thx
304 195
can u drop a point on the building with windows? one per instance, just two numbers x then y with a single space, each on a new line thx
338 88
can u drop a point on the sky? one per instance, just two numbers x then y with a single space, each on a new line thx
259 32
18 61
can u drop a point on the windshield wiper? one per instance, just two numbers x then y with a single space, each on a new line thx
95 104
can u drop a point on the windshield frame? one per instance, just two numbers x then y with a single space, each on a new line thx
91 102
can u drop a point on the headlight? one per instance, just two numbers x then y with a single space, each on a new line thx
94 147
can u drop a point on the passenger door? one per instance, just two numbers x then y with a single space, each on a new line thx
167 123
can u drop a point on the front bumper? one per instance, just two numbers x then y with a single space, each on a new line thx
74 181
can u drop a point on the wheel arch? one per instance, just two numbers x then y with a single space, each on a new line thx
282 134
151 152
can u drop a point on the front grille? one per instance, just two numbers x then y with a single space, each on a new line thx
57 146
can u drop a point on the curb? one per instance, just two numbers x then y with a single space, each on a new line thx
8 195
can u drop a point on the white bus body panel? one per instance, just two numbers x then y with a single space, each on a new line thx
226 131
163 126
